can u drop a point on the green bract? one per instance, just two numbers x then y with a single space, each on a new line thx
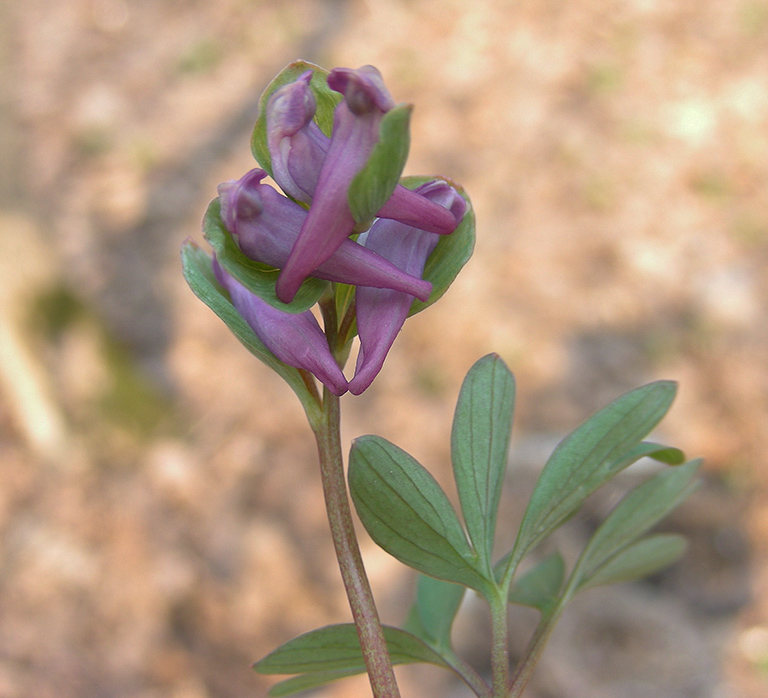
258 278
452 252
196 265
374 184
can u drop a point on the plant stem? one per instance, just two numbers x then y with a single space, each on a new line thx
364 613
466 673
499 648
533 652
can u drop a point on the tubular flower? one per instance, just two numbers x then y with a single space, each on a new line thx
295 339
265 226
355 133
381 312
298 148
296 144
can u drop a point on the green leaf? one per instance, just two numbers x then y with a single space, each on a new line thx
333 652
255 276
407 513
327 99
303 682
480 447
641 558
540 586
663 454
641 509
376 181
199 275
437 603
452 251
587 458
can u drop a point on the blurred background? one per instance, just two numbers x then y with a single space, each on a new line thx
161 523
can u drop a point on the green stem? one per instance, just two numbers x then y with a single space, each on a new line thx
364 613
499 648
466 673
533 652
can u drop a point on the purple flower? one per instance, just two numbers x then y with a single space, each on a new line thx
381 312
295 339
355 133
298 148
296 144
265 225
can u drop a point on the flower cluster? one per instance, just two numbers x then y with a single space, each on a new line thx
343 218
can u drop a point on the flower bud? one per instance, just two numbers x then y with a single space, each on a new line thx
381 313
295 339
296 144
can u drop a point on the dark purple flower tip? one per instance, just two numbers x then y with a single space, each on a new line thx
296 144
295 339
238 199
441 193
363 89
292 106
265 225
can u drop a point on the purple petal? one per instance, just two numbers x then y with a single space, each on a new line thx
296 144
298 148
415 209
295 339
355 132
381 313
265 225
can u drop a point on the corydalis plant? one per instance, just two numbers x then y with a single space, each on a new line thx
336 143
370 248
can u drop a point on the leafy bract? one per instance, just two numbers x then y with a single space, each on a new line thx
256 277
326 99
376 181
587 458
452 251
479 447
407 513
199 275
